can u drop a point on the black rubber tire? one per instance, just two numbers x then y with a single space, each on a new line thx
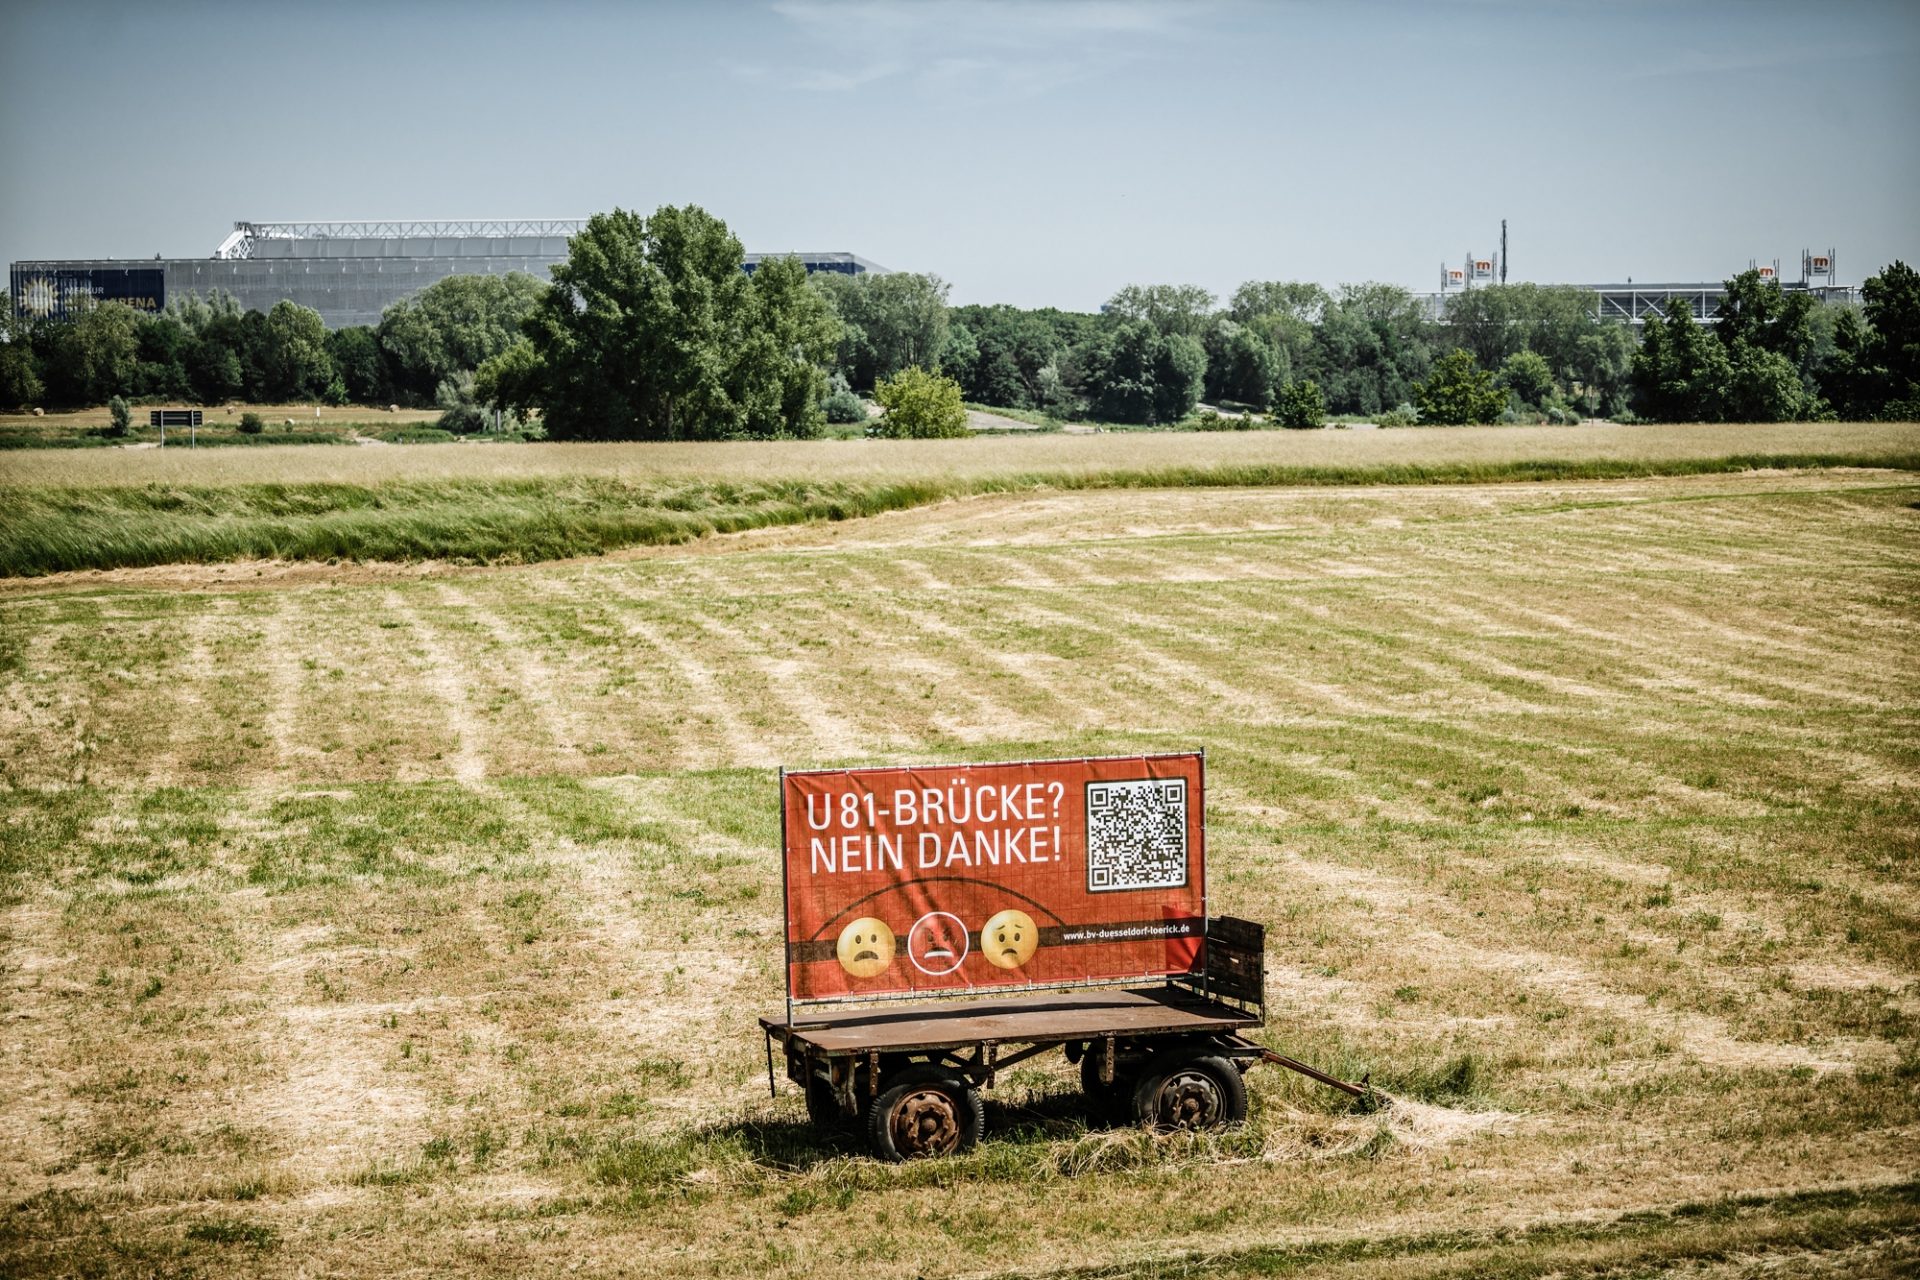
823 1108
1197 1091
955 1116
1106 1103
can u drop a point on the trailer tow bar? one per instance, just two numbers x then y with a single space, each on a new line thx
1363 1090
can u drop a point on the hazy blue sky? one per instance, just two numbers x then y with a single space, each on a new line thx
1030 153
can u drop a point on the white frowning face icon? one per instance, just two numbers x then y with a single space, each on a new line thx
937 943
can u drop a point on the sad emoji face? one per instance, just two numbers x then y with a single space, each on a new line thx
1009 939
865 948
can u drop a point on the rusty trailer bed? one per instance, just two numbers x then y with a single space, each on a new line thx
1046 1018
1166 1054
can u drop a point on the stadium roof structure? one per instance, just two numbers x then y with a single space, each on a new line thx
248 238
239 244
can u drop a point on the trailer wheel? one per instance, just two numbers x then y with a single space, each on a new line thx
1106 1103
925 1112
1202 1092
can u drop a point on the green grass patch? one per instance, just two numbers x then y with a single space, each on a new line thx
417 433
48 529
1034 416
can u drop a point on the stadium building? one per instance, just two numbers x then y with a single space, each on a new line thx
347 271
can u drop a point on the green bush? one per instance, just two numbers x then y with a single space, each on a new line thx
461 412
1214 420
1300 405
252 424
416 434
1527 375
920 406
122 417
1399 416
841 404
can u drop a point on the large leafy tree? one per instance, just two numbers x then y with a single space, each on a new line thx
1602 369
20 384
888 322
652 331
1459 392
1242 365
1760 312
1758 364
1498 321
1141 375
1681 372
1526 375
1764 386
779 373
1757 318
293 356
1000 354
92 358
355 352
1372 345
1295 299
1892 310
1169 308
1284 314
163 348
453 325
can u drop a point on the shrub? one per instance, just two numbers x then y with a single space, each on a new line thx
841 404
460 412
1300 405
1214 420
1402 415
252 424
920 406
122 417
1907 410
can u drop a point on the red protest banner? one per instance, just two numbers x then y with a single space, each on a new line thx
948 878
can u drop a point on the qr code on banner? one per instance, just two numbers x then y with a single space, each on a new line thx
1136 835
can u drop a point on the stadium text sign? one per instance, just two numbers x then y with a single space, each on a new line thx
961 877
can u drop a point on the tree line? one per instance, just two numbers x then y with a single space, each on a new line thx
208 350
651 329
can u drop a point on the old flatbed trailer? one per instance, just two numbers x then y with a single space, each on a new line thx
1168 1055
945 922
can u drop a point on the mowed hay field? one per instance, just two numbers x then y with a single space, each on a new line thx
415 919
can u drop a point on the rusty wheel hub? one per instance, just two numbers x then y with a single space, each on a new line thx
1190 1100
925 1124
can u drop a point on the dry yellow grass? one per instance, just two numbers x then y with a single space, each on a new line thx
74 420
417 921
948 459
